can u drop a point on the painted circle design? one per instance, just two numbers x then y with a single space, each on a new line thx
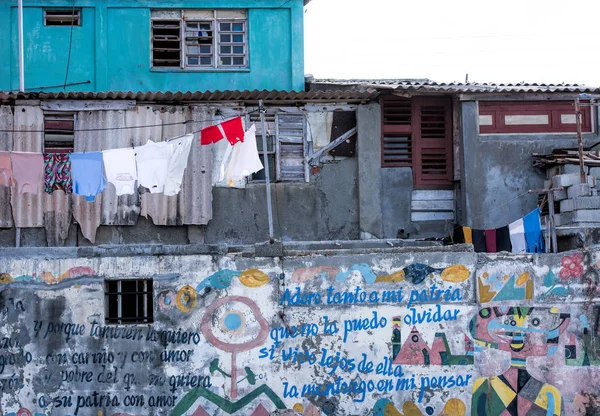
186 298
166 300
429 410
415 338
233 321
23 412
484 313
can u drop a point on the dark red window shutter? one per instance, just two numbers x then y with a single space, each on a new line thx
432 130
396 144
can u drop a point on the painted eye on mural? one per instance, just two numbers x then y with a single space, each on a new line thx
415 338
535 322
234 324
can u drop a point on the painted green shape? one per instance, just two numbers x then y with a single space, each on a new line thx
227 406
511 292
486 394
379 408
452 359
214 366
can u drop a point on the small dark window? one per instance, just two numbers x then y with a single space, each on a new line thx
59 134
62 17
166 44
129 301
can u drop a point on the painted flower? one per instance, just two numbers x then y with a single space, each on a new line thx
572 267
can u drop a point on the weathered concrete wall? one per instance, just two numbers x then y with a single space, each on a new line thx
498 170
324 209
422 332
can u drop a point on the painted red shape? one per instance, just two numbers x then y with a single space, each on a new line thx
200 412
260 411
523 405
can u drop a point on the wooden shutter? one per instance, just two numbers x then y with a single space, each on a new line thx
397 144
432 142
166 43
290 147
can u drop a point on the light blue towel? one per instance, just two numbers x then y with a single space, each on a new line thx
533 232
87 172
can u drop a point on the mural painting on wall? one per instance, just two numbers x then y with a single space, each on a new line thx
524 332
403 341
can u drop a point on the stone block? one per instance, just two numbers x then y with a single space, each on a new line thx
560 195
595 171
586 215
565 180
591 181
580 189
566 169
567 205
585 202
564 218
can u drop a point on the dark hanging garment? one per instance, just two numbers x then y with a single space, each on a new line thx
479 241
490 241
503 239
459 236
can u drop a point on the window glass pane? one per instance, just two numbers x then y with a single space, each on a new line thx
193 49
205 26
238 27
238 38
206 60
238 60
226 26
260 175
226 60
193 26
205 49
225 49
270 142
226 38
238 49
192 60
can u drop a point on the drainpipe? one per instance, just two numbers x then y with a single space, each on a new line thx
21 58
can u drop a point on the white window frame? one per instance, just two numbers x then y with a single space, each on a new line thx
215 18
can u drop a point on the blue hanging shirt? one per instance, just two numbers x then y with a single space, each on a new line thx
533 232
87 173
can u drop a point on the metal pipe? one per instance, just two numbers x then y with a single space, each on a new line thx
21 53
579 141
266 166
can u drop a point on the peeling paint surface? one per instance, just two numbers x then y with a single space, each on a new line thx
423 333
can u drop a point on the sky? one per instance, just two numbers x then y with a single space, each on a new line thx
549 41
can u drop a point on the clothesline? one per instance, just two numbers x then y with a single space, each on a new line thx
158 166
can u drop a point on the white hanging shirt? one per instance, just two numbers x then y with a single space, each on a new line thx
120 168
244 157
517 236
152 165
179 151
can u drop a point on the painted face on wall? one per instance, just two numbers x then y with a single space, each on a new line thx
523 331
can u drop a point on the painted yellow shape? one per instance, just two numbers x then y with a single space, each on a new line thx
485 275
298 407
554 310
390 410
520 320
47 277
504 392
5 278
505 277
529 290
542 398
186 298
254 278
485 294
411 409
393 277
454 407
523 277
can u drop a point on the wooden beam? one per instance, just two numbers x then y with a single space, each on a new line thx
331 145
87 105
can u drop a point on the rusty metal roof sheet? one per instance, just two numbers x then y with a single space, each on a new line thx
198 96
427 85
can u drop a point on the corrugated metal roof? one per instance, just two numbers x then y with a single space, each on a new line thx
427 85
197 96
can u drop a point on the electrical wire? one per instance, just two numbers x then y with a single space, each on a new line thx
70 45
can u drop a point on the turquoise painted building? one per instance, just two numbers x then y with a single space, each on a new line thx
149 45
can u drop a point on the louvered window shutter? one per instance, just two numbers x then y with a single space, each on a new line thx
397 144
432 146
290 147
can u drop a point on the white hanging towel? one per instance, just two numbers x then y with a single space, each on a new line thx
152 164
179 151
244 157
517 236
120 168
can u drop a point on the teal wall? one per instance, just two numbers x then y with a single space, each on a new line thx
111 49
